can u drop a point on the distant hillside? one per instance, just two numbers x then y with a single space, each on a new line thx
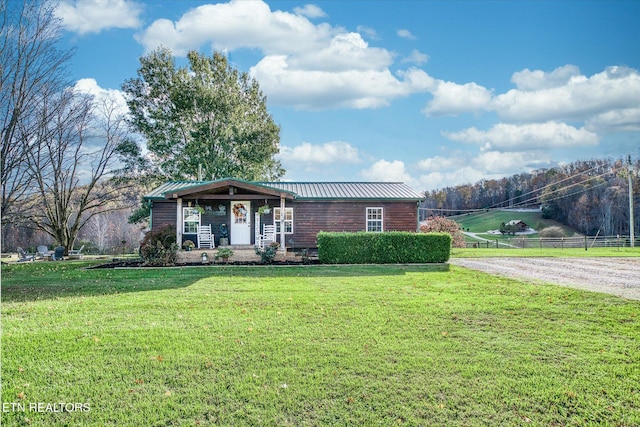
590 196
482 222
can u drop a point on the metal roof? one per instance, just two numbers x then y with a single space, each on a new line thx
348 190
308 190
160 192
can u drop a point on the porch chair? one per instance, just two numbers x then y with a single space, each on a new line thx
205 237
76 253
42 252
267 237
23 256
58 254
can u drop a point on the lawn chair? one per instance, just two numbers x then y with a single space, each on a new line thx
205 237
58 254
42 252
267 237
76 253
23 256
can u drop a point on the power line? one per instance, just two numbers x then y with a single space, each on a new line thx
570 186
496 206
555 183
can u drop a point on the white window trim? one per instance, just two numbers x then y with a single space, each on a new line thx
184 216
276 220
381 220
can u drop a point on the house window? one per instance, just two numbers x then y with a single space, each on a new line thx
288 220
374 219
190 220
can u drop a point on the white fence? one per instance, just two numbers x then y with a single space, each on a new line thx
555 242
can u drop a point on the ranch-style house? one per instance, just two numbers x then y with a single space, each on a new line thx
238 210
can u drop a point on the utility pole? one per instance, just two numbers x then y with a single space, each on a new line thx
631 219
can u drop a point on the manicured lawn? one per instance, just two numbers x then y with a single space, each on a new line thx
315 346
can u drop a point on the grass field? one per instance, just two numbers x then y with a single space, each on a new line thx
312 346
482 222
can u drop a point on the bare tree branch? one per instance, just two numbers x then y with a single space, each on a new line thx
31 69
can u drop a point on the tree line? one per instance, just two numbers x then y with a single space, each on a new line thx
592 196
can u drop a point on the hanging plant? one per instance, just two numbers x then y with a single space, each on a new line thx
264 210
199 208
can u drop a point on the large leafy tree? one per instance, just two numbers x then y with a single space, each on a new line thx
204 117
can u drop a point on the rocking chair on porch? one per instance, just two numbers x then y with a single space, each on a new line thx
267 237
205 237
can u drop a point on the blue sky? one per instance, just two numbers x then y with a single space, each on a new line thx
431 93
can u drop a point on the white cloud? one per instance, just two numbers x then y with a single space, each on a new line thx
224 26
528 80
94 16
91 87
304 65
441 179
346 51
505 164
416 57
405 34
328 153
440 163
578 99
310 11
313 89
606 101
623 120
451 99
384 171
463 168
367 31
510 137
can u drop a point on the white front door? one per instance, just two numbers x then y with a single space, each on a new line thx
240 232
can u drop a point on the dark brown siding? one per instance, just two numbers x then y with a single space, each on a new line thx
215 221
163 213
309 218
312 217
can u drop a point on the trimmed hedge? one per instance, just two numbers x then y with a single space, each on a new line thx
383 248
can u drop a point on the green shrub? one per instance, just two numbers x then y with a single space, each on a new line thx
268 253
165 235
159 247
383 248
158 255
224 253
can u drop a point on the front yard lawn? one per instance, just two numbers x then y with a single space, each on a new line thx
315 346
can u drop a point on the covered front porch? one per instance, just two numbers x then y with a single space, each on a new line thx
236 211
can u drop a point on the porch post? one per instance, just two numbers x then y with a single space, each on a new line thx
282 218
257 227
179 221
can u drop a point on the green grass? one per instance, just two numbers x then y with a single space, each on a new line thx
484 221
315 346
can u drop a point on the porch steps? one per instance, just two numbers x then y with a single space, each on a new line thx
241 253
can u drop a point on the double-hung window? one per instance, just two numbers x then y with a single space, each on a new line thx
374 219
190 220
287 221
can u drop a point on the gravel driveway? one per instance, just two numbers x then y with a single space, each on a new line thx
616 276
